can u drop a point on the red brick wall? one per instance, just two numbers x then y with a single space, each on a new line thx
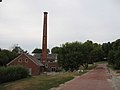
30 64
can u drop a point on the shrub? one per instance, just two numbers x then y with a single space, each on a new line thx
13 73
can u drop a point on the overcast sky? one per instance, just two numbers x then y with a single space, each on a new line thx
21 22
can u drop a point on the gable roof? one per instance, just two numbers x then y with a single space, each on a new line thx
33 59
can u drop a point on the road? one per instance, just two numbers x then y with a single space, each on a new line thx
97 79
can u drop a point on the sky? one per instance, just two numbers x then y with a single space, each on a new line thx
21 22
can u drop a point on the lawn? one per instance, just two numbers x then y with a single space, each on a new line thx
101 62
39 82
42 82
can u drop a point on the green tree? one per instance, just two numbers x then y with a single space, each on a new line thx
88 47
6 56
3 59
116 44
117 59
114 54
97 54
71 56
36 50
55 50
106 47
111 57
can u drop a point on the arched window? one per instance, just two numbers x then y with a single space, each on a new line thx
26 60
20 60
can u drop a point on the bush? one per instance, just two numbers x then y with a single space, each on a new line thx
13 73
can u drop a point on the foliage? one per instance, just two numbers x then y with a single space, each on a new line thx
37 50
117 60
17 49
97 54
111 57
12 73
6 56
106 47
114 54
72 55
55 50
69 56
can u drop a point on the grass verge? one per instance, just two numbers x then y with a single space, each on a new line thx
91 66
39 82
42 82
116 71
101 62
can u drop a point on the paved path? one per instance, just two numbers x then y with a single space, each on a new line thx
97 79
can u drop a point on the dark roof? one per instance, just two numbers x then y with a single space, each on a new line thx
35 60
37 55
52 56
49 56
32 58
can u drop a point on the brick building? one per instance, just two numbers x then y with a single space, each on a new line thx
51 62
35 66
33 63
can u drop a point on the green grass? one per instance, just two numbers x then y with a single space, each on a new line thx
101 62
110 66
117 71
39 82
42 82
91 66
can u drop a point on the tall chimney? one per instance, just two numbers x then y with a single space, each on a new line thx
44 42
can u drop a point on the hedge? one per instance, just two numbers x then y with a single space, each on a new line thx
12 73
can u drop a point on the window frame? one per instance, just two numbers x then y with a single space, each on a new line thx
26 60
20 60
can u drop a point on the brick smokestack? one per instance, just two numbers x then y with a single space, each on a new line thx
44 42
